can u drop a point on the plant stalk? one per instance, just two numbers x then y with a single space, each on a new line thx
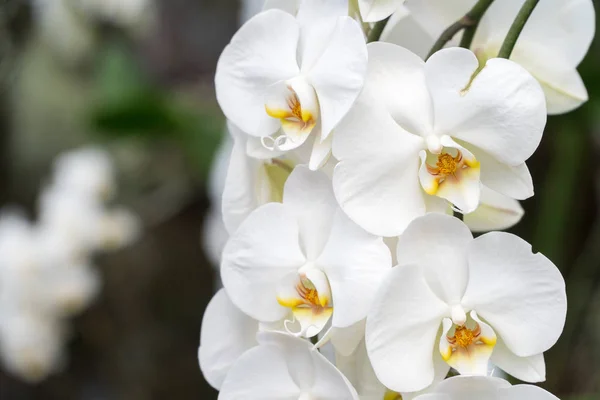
516 28
468 22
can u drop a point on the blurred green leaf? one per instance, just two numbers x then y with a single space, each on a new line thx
128 104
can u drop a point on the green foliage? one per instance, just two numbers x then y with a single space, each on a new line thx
128 104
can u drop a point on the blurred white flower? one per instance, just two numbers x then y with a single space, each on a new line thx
87 171
65 31
46 274
31 346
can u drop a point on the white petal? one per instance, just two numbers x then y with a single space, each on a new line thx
263 250
261 53
502 110
339 73
526 392
357 368
512 181
311 371
260 373
520 294
310 197
408 32
469 387
401 330
225 335
573 22
345 340
311 10
438 244
397 78
376 180
528 369
495 212
376 10
320 152
289 6
239 194
355 262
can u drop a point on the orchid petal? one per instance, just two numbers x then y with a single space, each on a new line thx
355 262
400 337
225 335
521 294
310 197
376 180
501 109
438 244
262 251
260 54
495 212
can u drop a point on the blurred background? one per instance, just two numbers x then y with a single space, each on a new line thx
138 79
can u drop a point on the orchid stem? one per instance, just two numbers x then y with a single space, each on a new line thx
377 30
468 22
516 28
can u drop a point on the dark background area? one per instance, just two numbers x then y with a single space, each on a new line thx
150 100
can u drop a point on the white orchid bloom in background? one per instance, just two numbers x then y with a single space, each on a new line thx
225 335
376 10
484 388
468 300
285 367
550 55
88 171
424 134
30 344
304 257
284 78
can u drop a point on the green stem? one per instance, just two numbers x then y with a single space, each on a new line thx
377 30
469 22
516 28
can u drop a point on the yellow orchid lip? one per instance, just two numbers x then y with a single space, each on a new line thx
468 347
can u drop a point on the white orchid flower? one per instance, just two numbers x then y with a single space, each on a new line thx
284 78
87 171
424 134
376 10
550 55
468 300
285 367
303 257
484 388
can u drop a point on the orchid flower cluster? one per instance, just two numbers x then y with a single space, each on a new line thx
46 268
346 271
